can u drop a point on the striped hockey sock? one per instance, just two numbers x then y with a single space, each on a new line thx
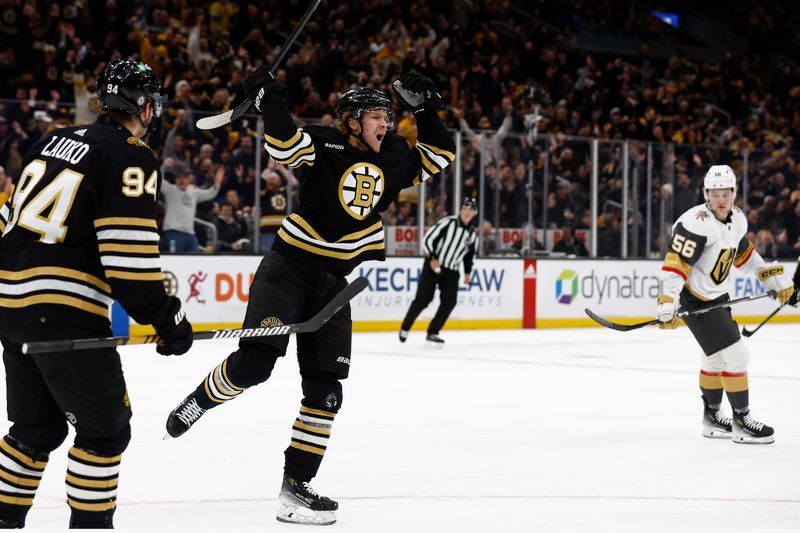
20 475
218 387
310 433
92 481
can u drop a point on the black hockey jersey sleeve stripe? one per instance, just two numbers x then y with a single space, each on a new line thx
743 252
433 160
296 151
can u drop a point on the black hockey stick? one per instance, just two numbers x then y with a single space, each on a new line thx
216 121
629 327
313 324
747 333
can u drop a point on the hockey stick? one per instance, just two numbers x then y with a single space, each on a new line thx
313 324
216 121
629 327
747 333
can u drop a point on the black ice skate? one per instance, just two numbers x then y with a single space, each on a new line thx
184 416
10 523
747 430
403 335
300 504
715 424
435 339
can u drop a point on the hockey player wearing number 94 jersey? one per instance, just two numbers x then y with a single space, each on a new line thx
79 232
707 241
348 174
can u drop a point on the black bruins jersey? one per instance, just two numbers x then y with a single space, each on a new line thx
343 189
80 231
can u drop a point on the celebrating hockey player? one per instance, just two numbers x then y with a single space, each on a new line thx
79 232
348 174
707 241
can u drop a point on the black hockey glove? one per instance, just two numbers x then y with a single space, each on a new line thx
417 93
260 85
793 297
175 331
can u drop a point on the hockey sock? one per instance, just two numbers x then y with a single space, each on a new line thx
310 433
20 475
91 487
711 387
737 389
217 388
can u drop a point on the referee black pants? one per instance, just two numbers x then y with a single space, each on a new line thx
447 281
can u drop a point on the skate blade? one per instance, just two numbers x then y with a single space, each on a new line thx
435 345
167 436
293 514
713 433
740 439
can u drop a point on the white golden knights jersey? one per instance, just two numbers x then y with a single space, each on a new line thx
343 189
703 249
79 231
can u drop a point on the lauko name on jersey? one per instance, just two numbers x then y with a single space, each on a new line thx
65 149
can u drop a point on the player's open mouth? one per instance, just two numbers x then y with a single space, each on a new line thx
379 136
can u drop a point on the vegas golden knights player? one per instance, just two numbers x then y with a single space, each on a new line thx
707 241
348 173
78 232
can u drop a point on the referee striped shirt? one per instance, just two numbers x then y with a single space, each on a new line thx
451 242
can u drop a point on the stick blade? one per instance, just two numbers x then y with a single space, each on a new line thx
613 325
216 121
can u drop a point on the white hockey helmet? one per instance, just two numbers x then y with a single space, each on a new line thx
719 177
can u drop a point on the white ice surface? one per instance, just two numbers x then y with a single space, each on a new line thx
548 430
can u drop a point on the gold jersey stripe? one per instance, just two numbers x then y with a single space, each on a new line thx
55 299
96 459
289 161
313 429
428 164
439 151
24 459
284 144
738 259
135 276
93 483
102 506
54 271
328 253
32 483
735 383
300 221
307 448
27 502
2 226
129 248
309 411
417 178
125 221
358 234
674 261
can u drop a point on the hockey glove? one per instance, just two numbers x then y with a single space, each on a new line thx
665 312
175 331
260 85
793 299
774 279
417 93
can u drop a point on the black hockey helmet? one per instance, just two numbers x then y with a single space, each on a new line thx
361 99
469 203
127 86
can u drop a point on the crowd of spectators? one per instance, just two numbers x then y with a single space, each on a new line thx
526 98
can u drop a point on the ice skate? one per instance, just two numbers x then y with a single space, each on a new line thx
403 335
300 504
716 425
747 430
434 340
183 417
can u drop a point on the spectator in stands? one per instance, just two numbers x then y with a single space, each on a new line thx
488 239
6 188
569 243
274 208
180 201
230 234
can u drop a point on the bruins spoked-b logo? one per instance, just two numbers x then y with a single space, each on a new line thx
360 189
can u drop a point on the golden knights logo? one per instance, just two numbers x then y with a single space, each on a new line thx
723 265
360 189
702 215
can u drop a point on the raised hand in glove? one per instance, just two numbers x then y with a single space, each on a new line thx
175 331
260 85
665 312
417 93
774 279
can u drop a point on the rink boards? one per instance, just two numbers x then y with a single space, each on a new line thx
503 293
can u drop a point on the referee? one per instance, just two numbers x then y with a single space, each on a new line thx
449 242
